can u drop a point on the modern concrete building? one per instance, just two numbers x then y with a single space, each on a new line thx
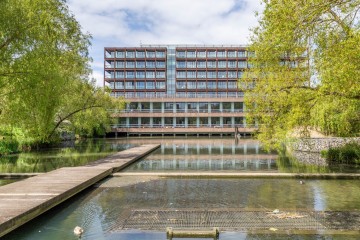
178 89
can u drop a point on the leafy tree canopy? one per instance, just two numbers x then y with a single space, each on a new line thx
305 73
44 69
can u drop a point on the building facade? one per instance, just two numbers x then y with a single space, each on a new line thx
178 89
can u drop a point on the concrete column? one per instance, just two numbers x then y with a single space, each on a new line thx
162 107
174 121
127 121
151 121
139 121
197 121
186 121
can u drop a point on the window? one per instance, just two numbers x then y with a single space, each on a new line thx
130 54
109 74
231 54
130 64
238 106
180 64
201 64
160 74
160 54
120 64
180 54
222 85
221 54
192 120
201 85
140 85
232 74
190 54
140 64
191 74
241 54
221 74
150 54
203 107
242 64
192 106
181 85
211 85
119 75
119 85
232 64
129 85
203 121
232 85
191 85
150 85
211 74
111 85
130 74
120 54
240 74
191 64
201 54
212 54
140 54
140 74
201 74
150 74
160 64
150 64
160 85
181 74
222 64
211 64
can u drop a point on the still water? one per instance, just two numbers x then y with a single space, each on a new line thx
141 207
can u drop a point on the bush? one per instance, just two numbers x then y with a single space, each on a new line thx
8 146
349 153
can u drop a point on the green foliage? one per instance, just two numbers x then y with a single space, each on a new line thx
349 153
44 69
8 146
305 71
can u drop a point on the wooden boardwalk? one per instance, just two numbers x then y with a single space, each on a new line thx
24 200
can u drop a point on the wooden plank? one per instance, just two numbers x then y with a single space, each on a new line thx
24 200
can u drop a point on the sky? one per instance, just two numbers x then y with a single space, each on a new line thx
129 23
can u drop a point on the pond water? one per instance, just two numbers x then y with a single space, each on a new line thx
141 207
69 155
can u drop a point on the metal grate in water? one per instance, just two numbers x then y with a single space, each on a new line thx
238 220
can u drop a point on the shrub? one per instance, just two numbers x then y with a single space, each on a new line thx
349 153
8 146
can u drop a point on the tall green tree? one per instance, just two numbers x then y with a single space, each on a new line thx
305 73
44 69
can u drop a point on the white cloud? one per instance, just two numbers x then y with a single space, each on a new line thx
118 23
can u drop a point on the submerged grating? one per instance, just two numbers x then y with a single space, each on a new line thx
240 220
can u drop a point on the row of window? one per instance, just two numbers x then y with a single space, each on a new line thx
209 74
137 74
212 54
137 54
137 64
206 85
186 105
212 64
137 85
181 120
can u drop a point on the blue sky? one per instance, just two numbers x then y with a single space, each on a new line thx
127 23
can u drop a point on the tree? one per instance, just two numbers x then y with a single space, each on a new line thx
305 70
44 69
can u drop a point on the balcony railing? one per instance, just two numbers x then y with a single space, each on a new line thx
180 95
176 111
183 126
